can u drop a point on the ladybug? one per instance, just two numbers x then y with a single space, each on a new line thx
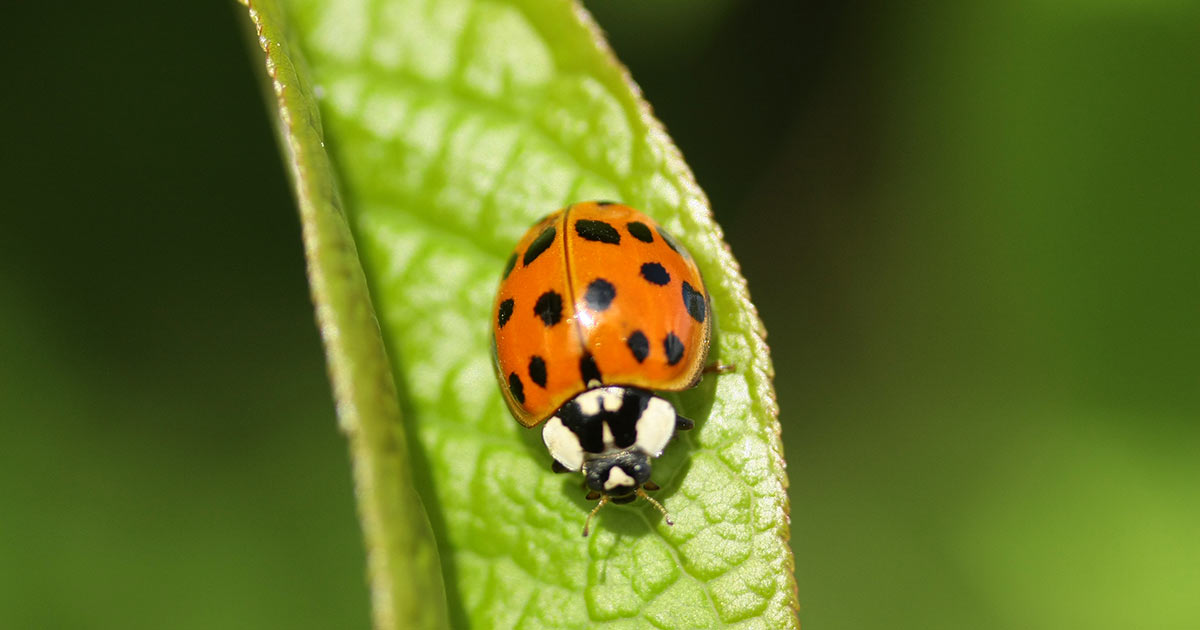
598 309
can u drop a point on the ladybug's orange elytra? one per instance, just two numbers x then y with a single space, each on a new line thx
597 292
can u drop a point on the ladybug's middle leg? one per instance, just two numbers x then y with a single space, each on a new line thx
719 368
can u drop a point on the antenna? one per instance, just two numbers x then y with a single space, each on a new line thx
588 522
666 517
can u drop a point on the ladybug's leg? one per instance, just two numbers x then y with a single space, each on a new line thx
719 368
651 486
559 468
683 424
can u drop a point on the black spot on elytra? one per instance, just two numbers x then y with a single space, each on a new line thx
588 369
516 387
655 274
606 203
537 370
512 262
694 301
673 347
600 294
670 241
638 345
539 245
597 231
549 308
638 230
506 309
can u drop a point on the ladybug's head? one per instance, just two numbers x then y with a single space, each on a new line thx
620 478
618 475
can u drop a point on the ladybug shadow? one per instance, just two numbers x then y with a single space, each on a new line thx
669 470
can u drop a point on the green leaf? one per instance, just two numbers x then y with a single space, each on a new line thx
450 126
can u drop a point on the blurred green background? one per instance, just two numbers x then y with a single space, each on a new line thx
971 230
